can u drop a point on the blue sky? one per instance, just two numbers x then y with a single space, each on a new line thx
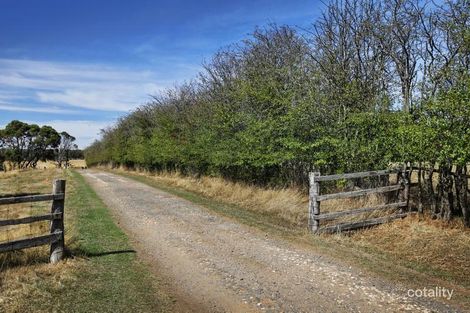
80 65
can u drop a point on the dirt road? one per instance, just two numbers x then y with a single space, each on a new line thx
214 264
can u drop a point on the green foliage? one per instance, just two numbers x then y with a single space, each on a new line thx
448 116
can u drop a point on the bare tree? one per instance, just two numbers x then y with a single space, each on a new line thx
350 56
446 53
400 36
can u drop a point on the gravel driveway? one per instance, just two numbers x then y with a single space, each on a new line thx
214 264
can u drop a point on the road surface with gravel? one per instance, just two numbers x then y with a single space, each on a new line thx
211 263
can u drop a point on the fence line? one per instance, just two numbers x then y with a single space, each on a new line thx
315 199
354 175
31 198
56 236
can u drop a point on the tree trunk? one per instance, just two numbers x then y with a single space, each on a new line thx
447 197
432 196
459 185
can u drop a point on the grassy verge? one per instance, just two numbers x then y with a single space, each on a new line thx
416 252
102 275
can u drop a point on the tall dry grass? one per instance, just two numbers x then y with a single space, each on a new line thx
430 244
21 182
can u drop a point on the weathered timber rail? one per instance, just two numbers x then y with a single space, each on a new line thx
56 236
315 199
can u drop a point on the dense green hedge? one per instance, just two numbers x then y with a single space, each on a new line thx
281 147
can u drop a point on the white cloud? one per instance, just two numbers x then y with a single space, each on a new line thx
89 86
98 99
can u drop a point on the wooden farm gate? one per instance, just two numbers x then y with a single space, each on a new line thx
56 236
315 199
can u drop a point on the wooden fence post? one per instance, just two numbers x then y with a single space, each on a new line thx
314 204
57 225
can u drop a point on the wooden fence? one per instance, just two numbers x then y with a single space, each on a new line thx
315 199
56 236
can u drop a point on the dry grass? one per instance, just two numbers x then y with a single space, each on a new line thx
77 163
20 284
47 165
437 245
417 242
17 182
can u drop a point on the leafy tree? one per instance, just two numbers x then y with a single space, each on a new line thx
63 149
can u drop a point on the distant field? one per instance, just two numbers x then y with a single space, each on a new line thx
50 164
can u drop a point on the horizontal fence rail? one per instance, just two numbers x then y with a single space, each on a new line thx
30 242
361 224
31 219
333 215
354 175
315 199
56 236
358 193
32 198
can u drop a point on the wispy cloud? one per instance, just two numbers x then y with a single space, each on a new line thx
88 86
52 110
